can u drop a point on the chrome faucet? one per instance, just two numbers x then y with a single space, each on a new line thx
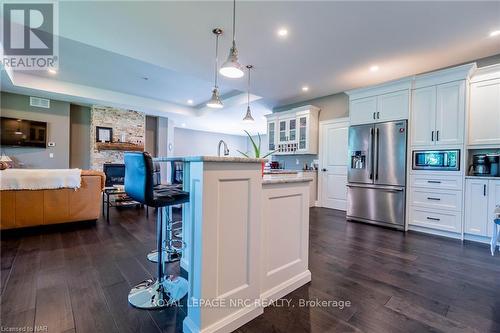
226 150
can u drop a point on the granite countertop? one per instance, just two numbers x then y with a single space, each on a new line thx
281 171
210 159
297 177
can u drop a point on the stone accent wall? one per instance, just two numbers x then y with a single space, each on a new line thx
128 122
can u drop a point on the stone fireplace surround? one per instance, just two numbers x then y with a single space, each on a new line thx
128 122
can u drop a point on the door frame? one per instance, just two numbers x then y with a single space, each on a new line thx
322 124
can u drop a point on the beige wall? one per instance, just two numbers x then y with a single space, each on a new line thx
58 127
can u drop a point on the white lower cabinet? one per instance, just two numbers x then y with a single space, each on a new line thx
436 219
482 195
436 202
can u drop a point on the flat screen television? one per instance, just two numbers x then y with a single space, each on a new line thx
23 133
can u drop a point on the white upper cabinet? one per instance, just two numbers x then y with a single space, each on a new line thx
385 102
423 116
484 112
393 106
450 113
294 131
438 115
363 110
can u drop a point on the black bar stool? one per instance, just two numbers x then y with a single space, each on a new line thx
139 185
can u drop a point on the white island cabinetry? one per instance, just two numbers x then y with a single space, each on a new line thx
246 240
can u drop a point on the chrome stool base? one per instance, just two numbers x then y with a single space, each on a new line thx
149 295
168 257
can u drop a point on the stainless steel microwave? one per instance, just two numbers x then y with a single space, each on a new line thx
439 160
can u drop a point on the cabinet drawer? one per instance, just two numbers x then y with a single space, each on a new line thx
438 199
437 182
447 221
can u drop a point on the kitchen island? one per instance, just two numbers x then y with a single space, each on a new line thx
247 240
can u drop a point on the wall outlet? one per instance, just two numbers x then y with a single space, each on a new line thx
51 144
51 155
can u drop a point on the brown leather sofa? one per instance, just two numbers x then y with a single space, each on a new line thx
26 208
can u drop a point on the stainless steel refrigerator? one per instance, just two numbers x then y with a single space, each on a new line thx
376 189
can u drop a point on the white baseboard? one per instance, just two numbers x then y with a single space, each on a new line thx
286 287
228 324
435 232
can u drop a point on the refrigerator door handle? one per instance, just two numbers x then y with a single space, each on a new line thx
377 136
371 153
379 187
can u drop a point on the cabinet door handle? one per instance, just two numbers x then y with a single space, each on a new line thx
434 182
484 190
433 218
378 115
435 199
373 115
432 136
437 135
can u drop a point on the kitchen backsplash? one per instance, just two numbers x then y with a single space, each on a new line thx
289 162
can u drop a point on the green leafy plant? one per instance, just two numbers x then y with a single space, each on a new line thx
256 148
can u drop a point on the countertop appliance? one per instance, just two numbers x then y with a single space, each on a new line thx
493 160
376 189
437 160
480 165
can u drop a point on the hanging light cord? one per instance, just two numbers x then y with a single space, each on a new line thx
248 90
234 19
216 57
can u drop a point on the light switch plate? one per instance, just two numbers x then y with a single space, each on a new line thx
51 155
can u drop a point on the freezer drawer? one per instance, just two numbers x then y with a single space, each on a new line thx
377 204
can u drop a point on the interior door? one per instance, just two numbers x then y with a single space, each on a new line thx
423 116
450 113
390 153
333 165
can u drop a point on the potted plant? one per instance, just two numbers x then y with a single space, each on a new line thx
256 149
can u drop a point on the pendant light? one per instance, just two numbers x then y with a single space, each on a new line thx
215 101
232 68
248 117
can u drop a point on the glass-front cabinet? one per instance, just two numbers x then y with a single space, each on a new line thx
271 134
294 131
303 122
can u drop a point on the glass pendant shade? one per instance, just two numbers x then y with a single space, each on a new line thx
248 117
232 68
215 101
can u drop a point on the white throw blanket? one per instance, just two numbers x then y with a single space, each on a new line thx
39 179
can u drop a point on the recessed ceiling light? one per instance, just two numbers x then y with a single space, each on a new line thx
374 68
282 32
52 71
495 33
305 88
183 124
190 101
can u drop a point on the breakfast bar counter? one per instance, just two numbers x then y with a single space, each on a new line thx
246 240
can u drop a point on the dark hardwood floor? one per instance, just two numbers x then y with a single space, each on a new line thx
76 278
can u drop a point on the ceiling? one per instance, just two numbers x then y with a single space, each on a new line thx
112 46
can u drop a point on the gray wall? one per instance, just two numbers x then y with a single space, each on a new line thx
79 156
332 106
189 142
58 126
